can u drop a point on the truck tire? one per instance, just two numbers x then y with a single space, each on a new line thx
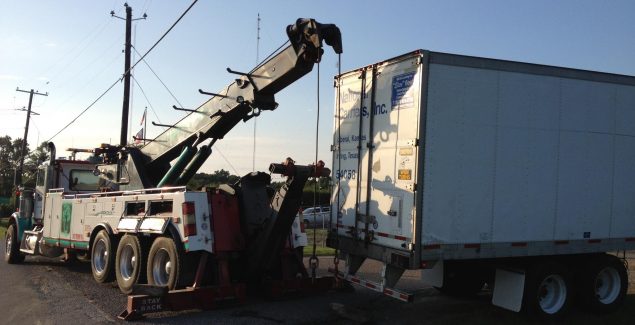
547 294
130 263
102 257
12 253
603 284
165 264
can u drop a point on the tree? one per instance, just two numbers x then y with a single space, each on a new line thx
33 162
322 196
218 177
10 153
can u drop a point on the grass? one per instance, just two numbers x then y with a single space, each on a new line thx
3 227
320 243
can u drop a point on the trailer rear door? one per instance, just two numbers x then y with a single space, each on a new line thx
375 175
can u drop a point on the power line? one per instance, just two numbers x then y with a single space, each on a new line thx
177 101
146 97
85 46
227 160
132 67
161 81
86 109
90 81
164 34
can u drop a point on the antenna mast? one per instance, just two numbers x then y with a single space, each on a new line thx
253 154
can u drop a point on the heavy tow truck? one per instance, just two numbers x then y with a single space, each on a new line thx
128 210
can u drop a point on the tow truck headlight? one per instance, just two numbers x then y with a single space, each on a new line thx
189 218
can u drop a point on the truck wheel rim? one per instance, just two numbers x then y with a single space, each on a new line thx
552 293
8 243
101 256
607 285
127 262
161 267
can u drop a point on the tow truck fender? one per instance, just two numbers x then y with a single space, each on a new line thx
98 228
21 224
171 231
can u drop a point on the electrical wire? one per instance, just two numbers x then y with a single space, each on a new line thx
132 67
163 36
86 109
85 46
161 81
178 102
90 81
227 161
146 97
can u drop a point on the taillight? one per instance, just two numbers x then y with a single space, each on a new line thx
189 218
301 225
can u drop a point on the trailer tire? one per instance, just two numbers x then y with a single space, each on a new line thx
548 291
102 257
165 264
130 263
603 284
12 254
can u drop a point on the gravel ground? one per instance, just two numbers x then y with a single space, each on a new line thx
48 291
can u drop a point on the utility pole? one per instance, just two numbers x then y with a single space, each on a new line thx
123 139
18 173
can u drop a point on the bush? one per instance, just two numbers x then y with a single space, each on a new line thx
6 210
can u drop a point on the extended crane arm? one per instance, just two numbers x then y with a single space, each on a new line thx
242 99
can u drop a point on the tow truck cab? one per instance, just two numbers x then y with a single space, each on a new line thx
69 176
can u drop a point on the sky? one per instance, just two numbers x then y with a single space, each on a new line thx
72 50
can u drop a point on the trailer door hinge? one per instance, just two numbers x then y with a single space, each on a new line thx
335 147
413 142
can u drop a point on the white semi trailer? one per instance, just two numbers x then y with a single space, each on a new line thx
480 171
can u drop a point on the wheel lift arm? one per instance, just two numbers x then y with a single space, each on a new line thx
266 246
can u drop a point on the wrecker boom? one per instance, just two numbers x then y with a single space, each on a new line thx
252 92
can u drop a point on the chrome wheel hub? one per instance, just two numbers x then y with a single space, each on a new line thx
100 258
127 262
161 267
552 293
608 285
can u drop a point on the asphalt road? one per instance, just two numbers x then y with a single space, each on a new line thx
48 291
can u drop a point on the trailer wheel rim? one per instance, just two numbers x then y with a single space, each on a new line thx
161 267
552 293
607 285
100 257
127 263
8 243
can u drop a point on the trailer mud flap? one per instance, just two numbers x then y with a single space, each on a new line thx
508 291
